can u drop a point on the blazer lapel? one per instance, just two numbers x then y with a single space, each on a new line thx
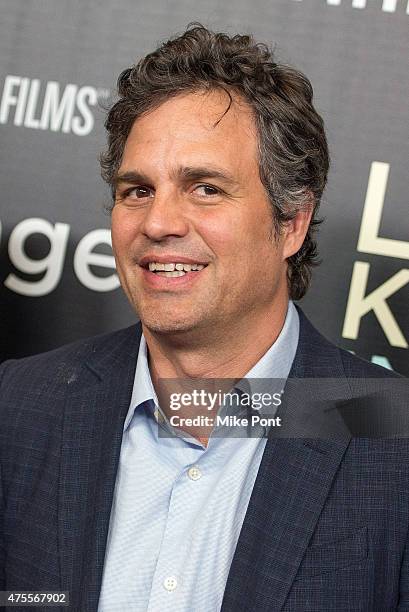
292 484
95 410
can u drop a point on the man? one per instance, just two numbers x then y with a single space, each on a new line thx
217 161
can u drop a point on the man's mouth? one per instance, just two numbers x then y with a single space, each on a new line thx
173 270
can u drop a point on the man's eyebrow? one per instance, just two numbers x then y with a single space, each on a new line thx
197 173
184 173
131 176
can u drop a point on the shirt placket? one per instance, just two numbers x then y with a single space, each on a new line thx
168 590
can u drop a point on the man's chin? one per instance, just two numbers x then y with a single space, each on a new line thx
169 326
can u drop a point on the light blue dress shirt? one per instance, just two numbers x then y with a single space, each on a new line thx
178 506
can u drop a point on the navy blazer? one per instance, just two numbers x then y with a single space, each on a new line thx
327 524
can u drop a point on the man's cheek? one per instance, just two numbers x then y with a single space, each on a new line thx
121 241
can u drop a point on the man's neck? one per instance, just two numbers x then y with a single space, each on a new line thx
231 356
221 359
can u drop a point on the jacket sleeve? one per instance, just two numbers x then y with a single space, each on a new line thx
3 368
2 550
404 580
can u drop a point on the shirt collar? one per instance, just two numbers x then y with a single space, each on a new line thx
274 364
143 389
277 361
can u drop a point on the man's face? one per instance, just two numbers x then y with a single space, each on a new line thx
189 192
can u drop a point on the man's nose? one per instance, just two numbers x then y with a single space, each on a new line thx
165 216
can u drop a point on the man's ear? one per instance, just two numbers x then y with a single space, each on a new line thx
296 229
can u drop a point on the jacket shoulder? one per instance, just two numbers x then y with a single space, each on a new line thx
56 366
357 367
318 356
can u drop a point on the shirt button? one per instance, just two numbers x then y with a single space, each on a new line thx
170 583
194 473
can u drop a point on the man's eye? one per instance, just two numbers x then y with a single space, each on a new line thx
139 192
207 190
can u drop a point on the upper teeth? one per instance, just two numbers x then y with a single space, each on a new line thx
170 267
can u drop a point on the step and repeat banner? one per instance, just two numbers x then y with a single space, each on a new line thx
59 61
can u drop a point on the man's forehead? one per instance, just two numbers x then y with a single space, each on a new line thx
213 111
194 135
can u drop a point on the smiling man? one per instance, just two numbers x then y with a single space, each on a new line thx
217 161
185 198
